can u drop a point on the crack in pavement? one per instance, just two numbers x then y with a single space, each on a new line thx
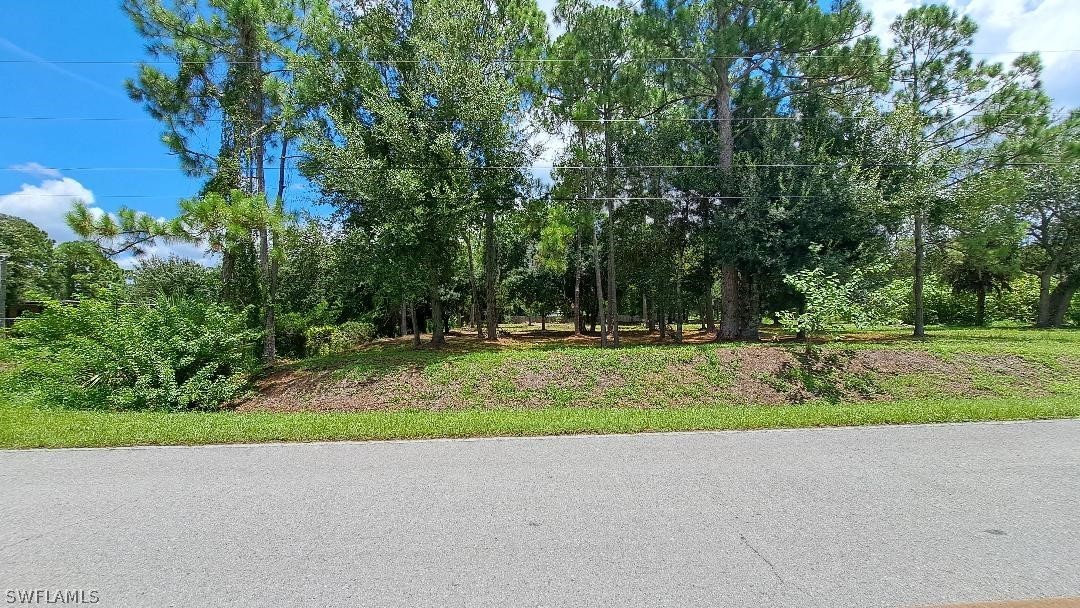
772 566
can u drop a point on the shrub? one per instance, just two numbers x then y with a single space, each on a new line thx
830 303
317 339
291 334
174 278
328 339
175 354
292 328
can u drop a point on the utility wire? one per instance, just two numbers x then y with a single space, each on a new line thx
653 119
555 167
508 198
507 60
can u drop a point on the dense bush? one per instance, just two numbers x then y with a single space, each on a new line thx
174 278
174 354
327 339
1018 303
292 328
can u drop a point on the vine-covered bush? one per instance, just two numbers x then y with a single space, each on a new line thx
292 328
328 339
173 355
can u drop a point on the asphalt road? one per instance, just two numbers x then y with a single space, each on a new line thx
882 516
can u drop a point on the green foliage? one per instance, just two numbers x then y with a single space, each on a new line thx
174 278
81 270
332 339
106 354
295 329
829 303
125 231
29 262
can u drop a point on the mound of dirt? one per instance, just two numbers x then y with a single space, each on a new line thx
765 374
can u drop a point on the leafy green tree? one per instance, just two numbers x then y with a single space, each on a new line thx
830 303
950 112
986 232
174 278
232 57
598 79
739 60
213 220
426 128
30 258
81 270
1050 206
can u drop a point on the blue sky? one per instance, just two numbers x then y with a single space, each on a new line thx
82 31
97 30
93 30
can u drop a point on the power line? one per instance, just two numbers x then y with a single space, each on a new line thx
503 60
652 119
552 167
95 196
510 198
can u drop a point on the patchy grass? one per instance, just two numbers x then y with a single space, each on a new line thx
527 370
25 427
530 383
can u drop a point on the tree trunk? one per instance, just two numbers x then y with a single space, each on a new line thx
919 272
609 193
269 344
601 313
404 323
708 321
662 318
980 305
415 325
750 314
543 322
710 315
729 286
254 130
920 260
1061 298
474 309
644 310
228 269
729 302
652 317
437 324
1043 320
678 311
489 275
577 286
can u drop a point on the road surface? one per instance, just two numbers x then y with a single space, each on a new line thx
874 516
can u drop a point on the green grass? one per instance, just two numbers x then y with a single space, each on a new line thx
28 427
552 387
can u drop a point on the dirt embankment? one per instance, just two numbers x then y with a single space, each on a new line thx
643 377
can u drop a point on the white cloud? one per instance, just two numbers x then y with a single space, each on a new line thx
35 169
1007 27
45 205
